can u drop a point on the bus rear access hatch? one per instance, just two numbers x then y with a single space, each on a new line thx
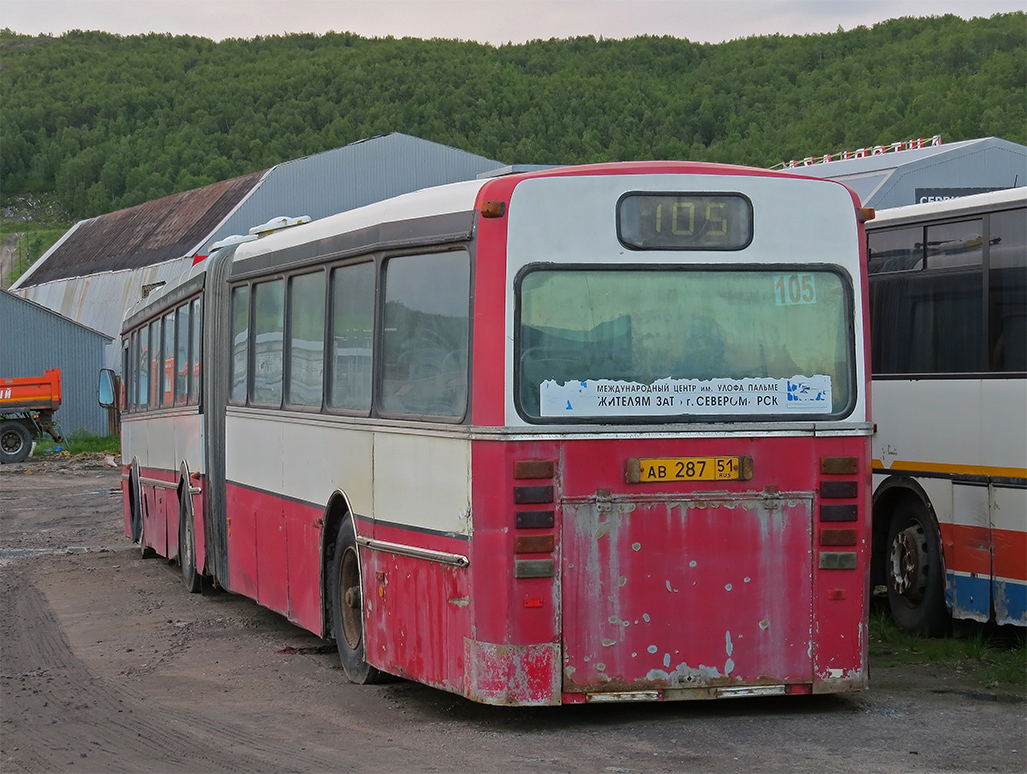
690 598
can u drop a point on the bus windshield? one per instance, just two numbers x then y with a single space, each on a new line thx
687 343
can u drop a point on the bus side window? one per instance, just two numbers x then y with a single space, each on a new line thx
182 328
955 244
131 373
352 337
924 323
167 365
125 399
1007 343
143 382
896 249
155 364
240 343
424 340
268 338
306 339
194 354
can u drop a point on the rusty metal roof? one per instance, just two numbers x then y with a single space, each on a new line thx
154 232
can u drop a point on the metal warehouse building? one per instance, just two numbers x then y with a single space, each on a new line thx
34 338
101 266
893 178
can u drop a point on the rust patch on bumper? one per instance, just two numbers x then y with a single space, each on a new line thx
523 675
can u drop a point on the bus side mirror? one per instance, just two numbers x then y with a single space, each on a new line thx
106 393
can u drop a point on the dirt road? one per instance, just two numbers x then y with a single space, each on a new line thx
107 664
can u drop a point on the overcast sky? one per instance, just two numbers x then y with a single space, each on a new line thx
488 21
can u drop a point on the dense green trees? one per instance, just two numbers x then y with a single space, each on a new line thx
109 121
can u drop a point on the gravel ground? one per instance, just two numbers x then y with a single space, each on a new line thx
107 664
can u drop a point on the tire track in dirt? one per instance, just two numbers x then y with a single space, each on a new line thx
101 726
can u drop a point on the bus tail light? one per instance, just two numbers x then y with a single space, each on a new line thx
534 469
837 537
534 519
536 493
533 495
848 512
839 490
838 513
534 544
534 568
837 560
839 466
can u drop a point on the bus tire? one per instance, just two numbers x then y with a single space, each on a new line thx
187 546
136 507
914 573
145 552
15 442
347 608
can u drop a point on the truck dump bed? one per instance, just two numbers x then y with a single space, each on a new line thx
33 393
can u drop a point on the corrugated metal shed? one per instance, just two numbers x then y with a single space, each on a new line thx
352 176
892 179
150 233
98 269
34 338
99 301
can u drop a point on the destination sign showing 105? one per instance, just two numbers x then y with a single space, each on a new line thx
685 221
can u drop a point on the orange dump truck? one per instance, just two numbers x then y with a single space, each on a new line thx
27 407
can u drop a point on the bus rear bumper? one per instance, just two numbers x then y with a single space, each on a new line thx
517 675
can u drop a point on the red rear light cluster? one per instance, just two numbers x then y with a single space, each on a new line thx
839 483
534 514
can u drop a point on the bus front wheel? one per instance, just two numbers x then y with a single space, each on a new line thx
348 608
914 572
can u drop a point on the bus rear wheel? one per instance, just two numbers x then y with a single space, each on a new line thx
348 608
914 573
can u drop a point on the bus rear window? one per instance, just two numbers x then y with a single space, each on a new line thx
690 344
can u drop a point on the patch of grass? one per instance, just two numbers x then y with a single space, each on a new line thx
77 443
993 656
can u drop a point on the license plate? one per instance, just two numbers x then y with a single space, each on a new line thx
657 469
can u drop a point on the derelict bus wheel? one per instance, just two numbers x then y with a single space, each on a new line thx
187 548
15 442
137 505
348 608
145 552
914 573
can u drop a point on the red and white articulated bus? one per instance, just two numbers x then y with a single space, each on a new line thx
592 433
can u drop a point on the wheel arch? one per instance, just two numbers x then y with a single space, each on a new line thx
24 420
335 512
887 497
135 497
185 499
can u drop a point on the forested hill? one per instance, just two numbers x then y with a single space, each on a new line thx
109 121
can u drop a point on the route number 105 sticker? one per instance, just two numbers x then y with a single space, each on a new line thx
794 289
